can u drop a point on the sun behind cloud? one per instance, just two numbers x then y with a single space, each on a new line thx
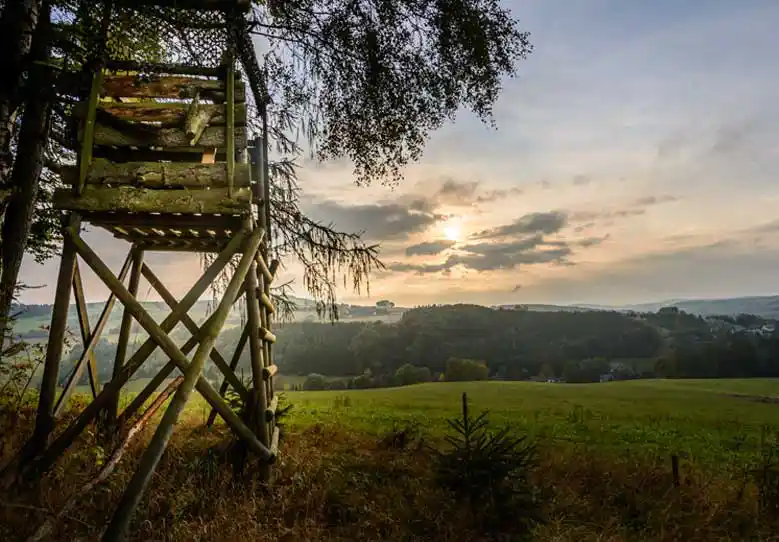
452 231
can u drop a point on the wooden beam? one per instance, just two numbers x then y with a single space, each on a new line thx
167 114
89 346
114 386
124 331
237 353
192 377
159 175
156 67
87 132
126 199
193 328
230 139
86 329
165 138
44 419
274 445
266 301
175 87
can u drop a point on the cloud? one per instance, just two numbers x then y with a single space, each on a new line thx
637 207
429 248
379 221
527 250
457 192
548 222
516 288
581 180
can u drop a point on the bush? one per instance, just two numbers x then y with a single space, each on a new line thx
411 374
490 471
315 382
464 370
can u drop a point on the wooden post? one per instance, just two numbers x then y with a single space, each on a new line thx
675 469
44 420
230 124
90 344
85 157
233 364
124 332
153 453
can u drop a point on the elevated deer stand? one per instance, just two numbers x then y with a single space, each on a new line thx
164 164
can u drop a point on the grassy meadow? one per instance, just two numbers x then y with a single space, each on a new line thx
602 473
710 422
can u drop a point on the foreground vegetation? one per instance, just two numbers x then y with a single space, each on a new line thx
358 465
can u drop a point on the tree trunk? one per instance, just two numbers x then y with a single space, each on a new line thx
25 177
17 25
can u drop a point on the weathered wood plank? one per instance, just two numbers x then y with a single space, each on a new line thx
141 200
156 67
167 138
190 155
182 87
167 175
167 114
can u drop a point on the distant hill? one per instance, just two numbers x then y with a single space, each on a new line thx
763 306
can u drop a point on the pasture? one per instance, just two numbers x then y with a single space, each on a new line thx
708 422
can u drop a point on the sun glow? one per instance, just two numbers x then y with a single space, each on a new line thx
452 232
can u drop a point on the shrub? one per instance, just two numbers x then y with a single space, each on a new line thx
489 471
411 374
315 382
463 370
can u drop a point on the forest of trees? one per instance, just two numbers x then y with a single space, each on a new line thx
444 343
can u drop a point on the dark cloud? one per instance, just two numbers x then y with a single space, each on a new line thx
548 222
457 192
648 201
493 256
494 195
378 221
430 248
581 180
469 193
516 288
592 241
637 208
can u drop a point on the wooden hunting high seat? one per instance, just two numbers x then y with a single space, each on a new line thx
163 156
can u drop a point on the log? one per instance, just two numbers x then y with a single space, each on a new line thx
166 114
270 412
269 371
197 120
165 138
185 88
126 199
267 336
274 445
169 175
156 67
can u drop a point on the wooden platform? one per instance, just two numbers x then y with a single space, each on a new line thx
161 168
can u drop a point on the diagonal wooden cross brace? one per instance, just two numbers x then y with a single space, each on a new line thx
112 388
89 337
193 328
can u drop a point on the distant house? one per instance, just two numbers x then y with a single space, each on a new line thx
607 377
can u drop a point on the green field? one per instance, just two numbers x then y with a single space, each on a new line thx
710 422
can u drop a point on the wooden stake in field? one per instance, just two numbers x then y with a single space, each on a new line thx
158 198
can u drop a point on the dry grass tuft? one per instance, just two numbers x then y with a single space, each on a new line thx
336 484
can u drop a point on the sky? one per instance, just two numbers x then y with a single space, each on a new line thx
635 159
